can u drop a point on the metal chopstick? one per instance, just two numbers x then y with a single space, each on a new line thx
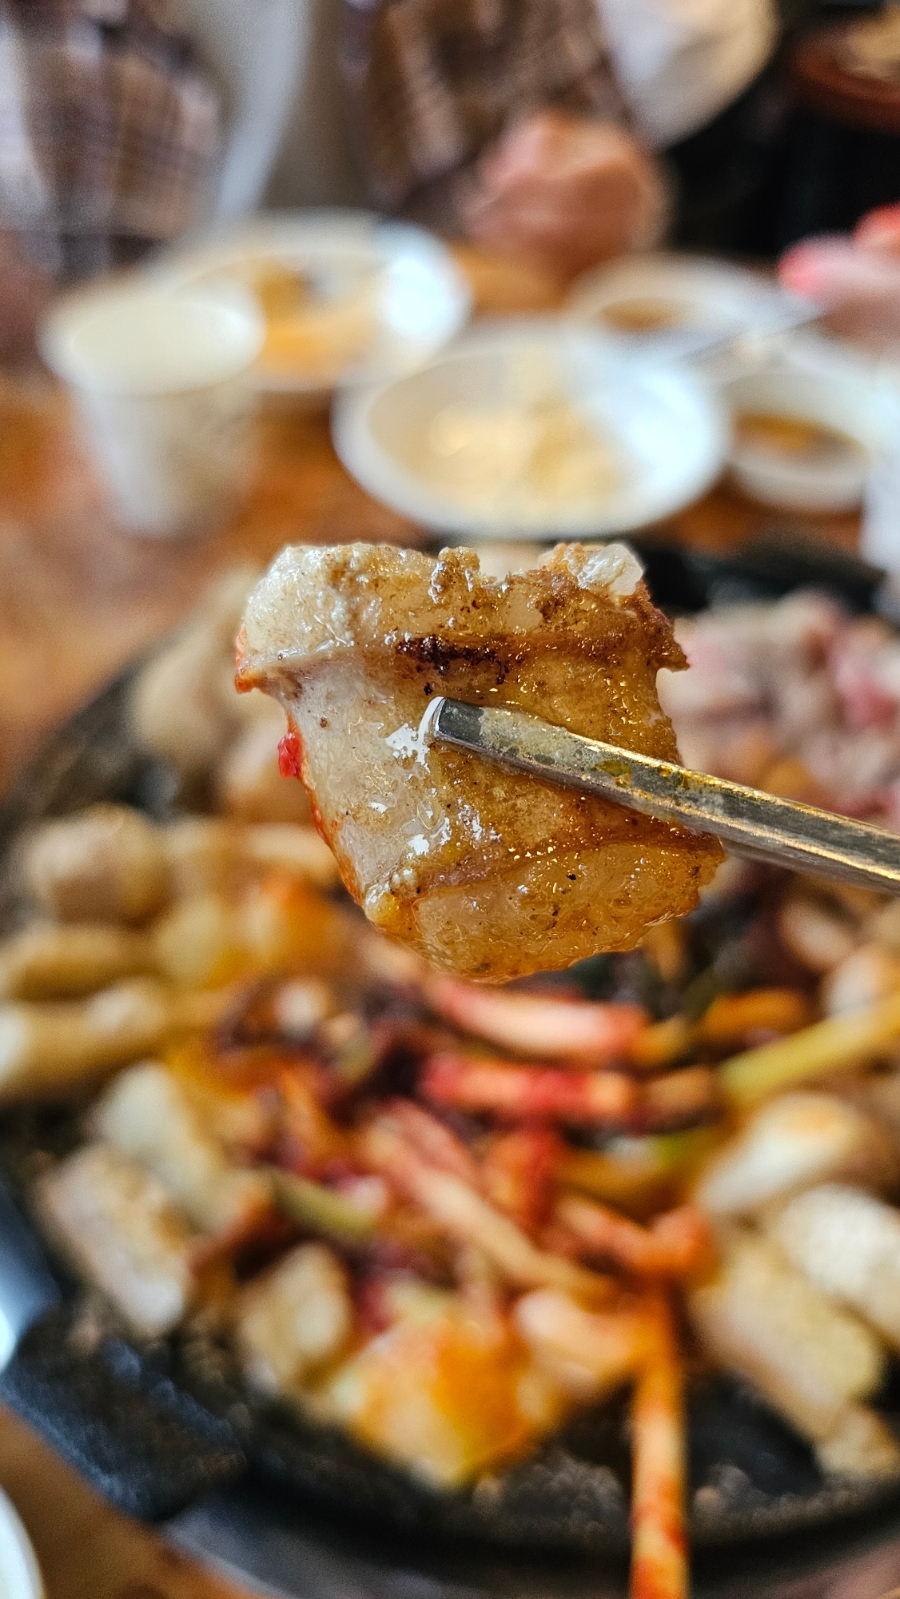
760 825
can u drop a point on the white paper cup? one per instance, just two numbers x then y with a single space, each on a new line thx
160 381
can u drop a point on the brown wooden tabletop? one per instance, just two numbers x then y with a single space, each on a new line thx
78 600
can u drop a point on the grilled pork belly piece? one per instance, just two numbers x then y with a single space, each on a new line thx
812 1360
489 873
118 1226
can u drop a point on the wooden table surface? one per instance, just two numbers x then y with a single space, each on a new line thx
78 600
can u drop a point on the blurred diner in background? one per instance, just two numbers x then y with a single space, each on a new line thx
533 128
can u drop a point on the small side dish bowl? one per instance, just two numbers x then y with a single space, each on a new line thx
676 305
535 428
806 429
346 296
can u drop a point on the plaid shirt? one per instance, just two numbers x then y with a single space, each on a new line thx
108 127
435 81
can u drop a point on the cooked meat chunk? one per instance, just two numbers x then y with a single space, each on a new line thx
146 1117
118 1226
449 1398
848 1244
811 1360
798 697
489 873
295 1319
103 864
789 1144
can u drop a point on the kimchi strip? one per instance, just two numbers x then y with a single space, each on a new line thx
448 1200
521 1093
516 1092
532 1024
659 1568
678 1243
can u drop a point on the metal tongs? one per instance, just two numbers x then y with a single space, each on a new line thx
755 824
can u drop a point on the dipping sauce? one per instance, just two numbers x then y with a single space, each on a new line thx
648 315
803 443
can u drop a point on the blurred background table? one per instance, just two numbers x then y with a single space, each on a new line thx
78 600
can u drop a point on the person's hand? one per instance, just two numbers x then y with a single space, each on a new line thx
566 192
880 229
856 278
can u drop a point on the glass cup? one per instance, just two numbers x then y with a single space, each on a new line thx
160 381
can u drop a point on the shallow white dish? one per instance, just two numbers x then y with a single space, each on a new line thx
421 297
708 300
812 380
663 429
19 1574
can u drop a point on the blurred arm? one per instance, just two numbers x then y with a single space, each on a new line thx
285 141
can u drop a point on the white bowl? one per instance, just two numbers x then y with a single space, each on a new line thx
707 300
664 431
421 297
813 382
20 1577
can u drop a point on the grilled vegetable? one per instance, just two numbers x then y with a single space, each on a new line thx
469 1219
56 962
535 1025
678 1243
104 864
325 1210
839 1044
50 1049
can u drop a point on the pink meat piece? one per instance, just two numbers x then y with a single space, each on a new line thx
862 676
803 705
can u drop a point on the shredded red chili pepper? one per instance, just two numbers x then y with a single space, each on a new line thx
290 754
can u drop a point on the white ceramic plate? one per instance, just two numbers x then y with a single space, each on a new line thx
19 1574
664 431
696 299
421 299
